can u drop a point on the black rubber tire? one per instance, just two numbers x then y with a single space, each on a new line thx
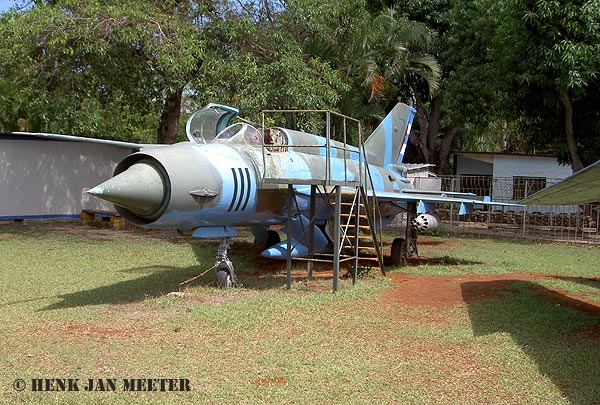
396 251
273 238
224 279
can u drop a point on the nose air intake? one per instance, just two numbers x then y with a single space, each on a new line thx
139 190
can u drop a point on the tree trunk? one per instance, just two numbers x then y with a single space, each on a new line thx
420 140
435 113
445 149
169 119
571 141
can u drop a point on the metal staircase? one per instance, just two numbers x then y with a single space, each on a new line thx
355 233
359 239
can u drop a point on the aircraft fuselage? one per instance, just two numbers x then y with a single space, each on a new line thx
223 183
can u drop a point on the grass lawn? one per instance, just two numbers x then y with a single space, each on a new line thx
474 320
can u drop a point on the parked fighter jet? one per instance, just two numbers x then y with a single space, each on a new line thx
219 179
226 176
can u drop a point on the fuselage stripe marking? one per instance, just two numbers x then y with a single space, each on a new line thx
235 189
248 190
237 207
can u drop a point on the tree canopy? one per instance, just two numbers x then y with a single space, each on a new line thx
550 54
507 75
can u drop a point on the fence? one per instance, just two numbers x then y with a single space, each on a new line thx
564 222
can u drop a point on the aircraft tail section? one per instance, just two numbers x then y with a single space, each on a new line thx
387 144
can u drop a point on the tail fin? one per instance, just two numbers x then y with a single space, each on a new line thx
387 143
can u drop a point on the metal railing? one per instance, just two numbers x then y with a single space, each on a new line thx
558 222
340 149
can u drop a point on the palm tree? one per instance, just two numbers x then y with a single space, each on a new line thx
393 53
385 64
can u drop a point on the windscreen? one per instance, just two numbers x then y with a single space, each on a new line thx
204 125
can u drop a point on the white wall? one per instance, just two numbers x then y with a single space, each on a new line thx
474 165
50 177
530 166
507 166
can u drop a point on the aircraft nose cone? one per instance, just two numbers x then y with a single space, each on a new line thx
139 189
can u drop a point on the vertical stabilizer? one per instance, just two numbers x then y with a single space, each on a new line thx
387 143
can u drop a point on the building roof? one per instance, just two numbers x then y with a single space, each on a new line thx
417 166
458 152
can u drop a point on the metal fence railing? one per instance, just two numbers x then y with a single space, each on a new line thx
559 222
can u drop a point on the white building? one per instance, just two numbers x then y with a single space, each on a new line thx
48 178
507 177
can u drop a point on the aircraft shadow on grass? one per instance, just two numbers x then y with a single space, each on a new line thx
559 333
156 280
160 280
586 281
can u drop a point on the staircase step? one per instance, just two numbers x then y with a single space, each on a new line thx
358 239
363 237
350 214
352 227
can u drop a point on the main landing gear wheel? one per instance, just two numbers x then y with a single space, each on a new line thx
398 252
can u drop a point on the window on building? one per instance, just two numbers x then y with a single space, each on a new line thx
525 186
479 185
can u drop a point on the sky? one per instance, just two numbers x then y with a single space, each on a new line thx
5 4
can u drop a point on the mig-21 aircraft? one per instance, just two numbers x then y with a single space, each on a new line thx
244 174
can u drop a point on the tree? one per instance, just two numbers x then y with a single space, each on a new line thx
85 67
92 69
260 57
464 104
549 52
380 57
392 61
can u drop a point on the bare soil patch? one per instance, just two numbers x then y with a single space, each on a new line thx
441 292
269 381
81 330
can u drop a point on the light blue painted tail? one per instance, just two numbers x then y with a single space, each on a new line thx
387 143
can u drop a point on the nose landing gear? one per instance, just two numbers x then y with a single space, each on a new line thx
225 274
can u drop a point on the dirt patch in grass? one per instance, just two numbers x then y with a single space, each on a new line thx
87 330
588 332
269 381
81 330
441 292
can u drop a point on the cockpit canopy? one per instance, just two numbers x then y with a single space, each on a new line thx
204 125
240 132
211 124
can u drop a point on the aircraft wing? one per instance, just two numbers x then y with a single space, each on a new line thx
580 188
426 199
72 138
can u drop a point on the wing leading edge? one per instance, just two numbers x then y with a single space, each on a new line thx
72 138
427 199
